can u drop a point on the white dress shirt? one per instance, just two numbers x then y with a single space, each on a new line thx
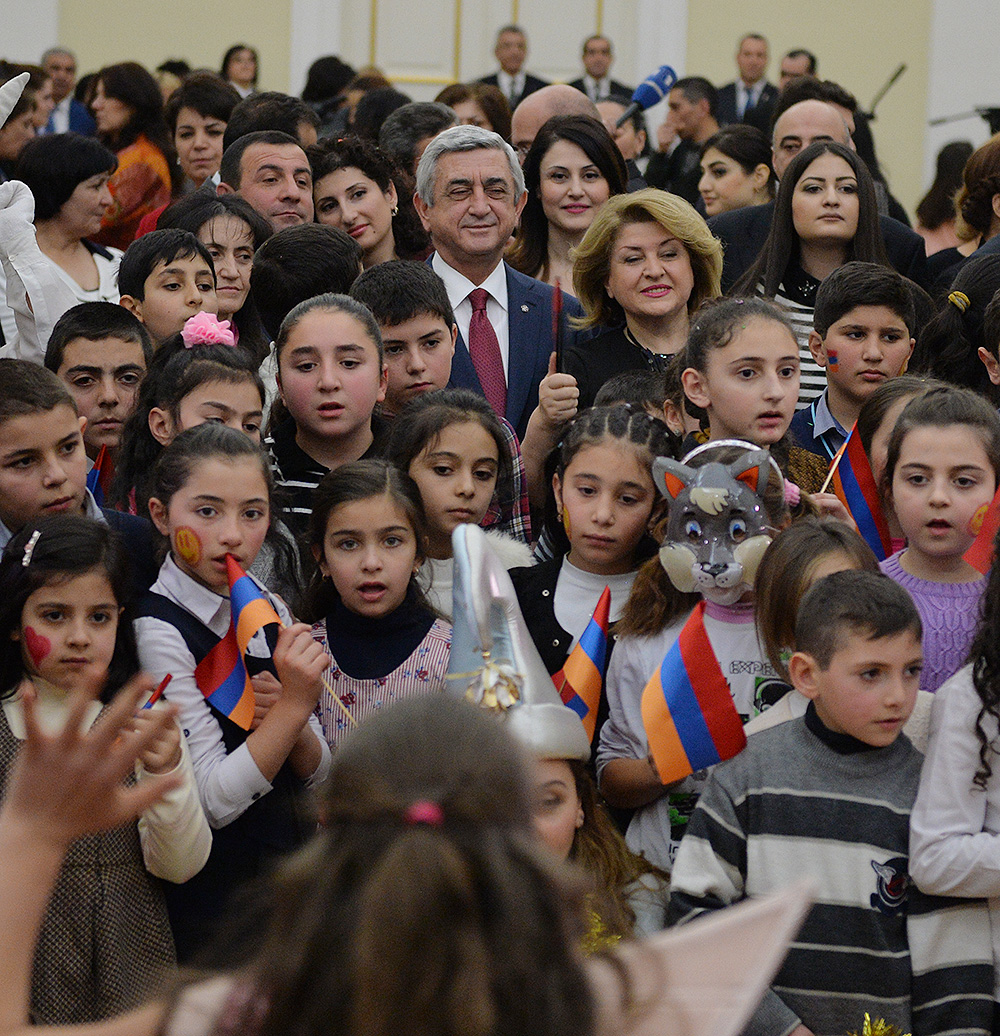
511 86
459 288
228 783
60 115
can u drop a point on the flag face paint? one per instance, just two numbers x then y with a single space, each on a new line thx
980 554
581 679
187 544
687 709
832 360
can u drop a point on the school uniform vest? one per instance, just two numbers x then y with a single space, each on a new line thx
243 850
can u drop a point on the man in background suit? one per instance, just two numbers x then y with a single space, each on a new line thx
470 193
511 80
750 97
596 83
68 115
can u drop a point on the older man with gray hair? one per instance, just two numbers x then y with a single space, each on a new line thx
470 193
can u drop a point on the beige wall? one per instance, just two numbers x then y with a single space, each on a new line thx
105 31
859 43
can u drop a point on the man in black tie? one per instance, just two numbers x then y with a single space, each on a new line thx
597 84
512 81
750 97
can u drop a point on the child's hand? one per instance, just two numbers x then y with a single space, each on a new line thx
69 784
164 752
558 395
830 505
266 691
301 662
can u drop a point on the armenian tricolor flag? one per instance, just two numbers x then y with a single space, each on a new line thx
854 485
221 675
100 475
581 678
985 523
687 710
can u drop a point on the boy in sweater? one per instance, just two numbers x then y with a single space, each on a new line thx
829 796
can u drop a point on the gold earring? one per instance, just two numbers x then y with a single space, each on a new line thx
395 210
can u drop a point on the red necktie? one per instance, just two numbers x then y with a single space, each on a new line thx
485 352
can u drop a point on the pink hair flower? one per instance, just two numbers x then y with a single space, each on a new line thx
206 329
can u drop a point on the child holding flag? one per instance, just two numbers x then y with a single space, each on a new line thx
604 502
942 471
254 741
719 653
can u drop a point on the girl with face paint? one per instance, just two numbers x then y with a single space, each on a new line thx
65 582
724 503
211 501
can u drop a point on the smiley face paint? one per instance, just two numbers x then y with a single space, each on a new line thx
976 521
187 545
566 524
38 647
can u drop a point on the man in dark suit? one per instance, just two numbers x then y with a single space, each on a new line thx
596 83
511 80
743 231
751 97
470 193
68 115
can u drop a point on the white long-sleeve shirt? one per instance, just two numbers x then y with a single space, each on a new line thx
228 782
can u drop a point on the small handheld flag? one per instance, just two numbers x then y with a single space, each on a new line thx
221 675
687 710
100 475
854 485
581 678
985 524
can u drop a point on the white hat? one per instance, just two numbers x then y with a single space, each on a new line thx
494 661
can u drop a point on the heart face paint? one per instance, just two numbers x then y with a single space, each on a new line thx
38 647
187 545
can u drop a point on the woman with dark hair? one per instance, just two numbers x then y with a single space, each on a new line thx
197 114
478 104
240 68
328 77
736 170
231 231
68 175
357 188
128 109
936 211
572 169
825 215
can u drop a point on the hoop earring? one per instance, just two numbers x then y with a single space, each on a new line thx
395 210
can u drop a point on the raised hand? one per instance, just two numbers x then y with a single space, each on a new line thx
66 785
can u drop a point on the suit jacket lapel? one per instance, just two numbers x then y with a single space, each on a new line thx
524 331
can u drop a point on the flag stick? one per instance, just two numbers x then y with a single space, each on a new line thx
834 464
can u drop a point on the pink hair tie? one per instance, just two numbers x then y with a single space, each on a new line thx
792 493
205 329
423 811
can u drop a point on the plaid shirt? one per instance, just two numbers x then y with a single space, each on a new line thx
508 511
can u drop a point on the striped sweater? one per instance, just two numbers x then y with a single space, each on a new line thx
790 805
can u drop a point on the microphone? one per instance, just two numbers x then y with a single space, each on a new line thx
649 92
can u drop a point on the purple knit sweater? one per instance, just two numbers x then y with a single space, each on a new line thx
949 613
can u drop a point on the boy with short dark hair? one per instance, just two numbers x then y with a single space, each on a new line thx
43 466
411 307
863 328
164 278
100 352
828 796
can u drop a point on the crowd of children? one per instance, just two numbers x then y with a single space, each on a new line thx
279 539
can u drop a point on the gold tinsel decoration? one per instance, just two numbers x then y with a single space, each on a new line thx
879 1027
